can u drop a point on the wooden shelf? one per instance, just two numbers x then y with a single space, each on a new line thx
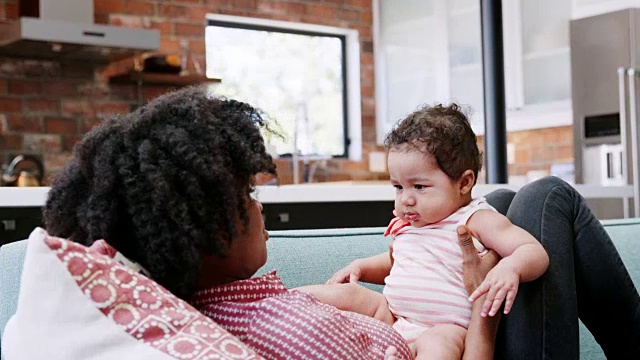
161 79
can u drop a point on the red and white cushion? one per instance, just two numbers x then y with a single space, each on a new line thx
78 304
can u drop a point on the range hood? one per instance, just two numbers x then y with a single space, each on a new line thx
66 33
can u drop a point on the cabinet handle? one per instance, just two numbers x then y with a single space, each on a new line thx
633 117
9 225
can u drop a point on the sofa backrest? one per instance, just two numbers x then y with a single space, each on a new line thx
304 257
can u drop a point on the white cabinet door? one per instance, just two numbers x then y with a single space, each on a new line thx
430 51
410 59
465 57
546 62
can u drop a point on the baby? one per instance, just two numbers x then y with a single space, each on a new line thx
433 163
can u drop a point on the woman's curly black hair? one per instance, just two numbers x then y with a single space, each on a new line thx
443 132
164 184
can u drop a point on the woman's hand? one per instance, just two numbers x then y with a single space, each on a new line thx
500 284
349 274
475 267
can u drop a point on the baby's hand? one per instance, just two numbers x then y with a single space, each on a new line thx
501 284
349 274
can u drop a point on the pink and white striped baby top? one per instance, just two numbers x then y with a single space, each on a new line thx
425 286
281 324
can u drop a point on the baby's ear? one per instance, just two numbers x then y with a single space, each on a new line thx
466 182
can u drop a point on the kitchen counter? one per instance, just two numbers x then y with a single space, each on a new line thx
304 206
342 191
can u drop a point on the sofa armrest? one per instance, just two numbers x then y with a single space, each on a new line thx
11 264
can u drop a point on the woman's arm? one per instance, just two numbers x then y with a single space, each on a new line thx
481 334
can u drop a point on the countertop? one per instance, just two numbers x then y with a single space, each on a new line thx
343 191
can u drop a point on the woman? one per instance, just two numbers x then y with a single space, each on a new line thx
169 187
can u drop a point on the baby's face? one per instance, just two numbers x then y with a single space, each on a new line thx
424 193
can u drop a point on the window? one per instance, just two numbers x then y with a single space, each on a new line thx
305 77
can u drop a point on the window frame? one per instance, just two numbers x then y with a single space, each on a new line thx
352 106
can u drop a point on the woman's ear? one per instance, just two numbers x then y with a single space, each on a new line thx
467 180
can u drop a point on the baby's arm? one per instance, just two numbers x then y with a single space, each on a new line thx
523 259
352 297
372 270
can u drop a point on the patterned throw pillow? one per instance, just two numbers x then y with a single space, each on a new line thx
78 304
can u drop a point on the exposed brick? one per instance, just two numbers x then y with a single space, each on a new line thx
321 11
296 9
93 89
60 88
359 3
349 15
56 125
124 92
4 126
54 161
42 143
172 11
3 87
78 70
367 47
364 32
69 141
39 68
170 46
152 92
9 105
191 30
109 6
24 87
140 8
244 4
43 106
11 142
235 12
11 67
217 3
197 46
22 123
272 7
111 108
367 16
162 26
130 21
101 18
72 107
89 124
11 11
368 121
366 58
197 12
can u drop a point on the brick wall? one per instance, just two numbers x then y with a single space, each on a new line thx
46 106
537 150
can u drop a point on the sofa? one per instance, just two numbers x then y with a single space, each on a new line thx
304 257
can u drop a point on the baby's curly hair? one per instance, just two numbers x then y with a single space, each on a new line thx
443 132
164 184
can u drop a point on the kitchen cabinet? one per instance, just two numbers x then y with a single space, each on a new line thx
430 52
16 223
585 8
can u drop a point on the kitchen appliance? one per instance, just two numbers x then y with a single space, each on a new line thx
605 64
23 170
64 30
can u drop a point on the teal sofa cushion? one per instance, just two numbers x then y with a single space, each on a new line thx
303 257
